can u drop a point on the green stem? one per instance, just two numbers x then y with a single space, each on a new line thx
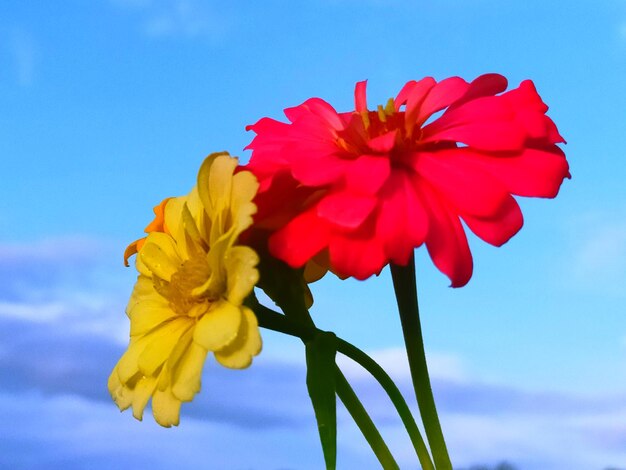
405 286
275 321
394 394
364 422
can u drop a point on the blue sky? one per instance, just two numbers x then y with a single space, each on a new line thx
108 106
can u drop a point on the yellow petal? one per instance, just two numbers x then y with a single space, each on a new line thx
189 224
144 287
149 314
173 214
160 347
165 377
240 262
245 187
188 373
215 180
121 395
196 208
141 394
159 255
127 366
238 354
141 267
166 408
218 327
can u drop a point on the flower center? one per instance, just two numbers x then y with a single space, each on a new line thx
192 273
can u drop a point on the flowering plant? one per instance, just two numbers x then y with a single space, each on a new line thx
346 192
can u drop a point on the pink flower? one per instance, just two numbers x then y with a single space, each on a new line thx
365 188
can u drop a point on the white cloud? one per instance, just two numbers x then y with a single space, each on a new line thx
600 260
443 366
67 358
25 54
43 312
484 423
64 281
165 18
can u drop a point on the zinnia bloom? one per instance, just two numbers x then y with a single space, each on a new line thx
193 278
361 189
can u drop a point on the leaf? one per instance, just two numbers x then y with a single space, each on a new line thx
320 381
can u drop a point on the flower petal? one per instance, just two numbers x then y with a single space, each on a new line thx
141 395
402 222
360 97
159 348
498 230
159 255
301 239
218 328
367 174
532 173
484 123
241 273
238 354
383 143
148 314
357 257
468 187
446 241
188 375
122 396
245 187
441 96
215 181
317 107
416 96
345 209
166 408
313 167
488 84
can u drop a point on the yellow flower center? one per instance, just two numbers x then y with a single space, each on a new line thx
192 273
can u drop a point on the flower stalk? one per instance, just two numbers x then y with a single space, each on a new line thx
405 287
275 321
364 422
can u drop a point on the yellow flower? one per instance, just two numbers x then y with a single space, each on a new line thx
193 278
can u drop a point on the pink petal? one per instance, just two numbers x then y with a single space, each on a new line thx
312 128
496 136
360 97
446 241
345 209
359 257
497 231
404 93
486 85
485 123
441 96
367 174
468 187
279 196
383 143
268 126
530 112
415 100
271 134
317 107
533 172
301 239
313 167
402 221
